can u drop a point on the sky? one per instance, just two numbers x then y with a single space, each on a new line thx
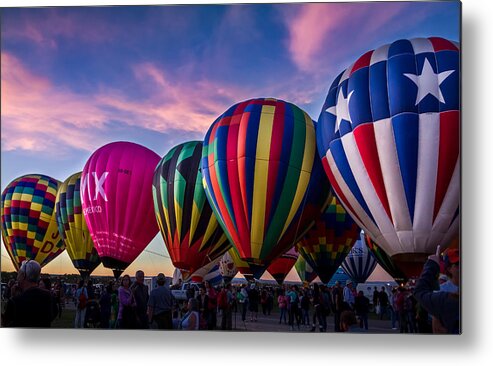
74 79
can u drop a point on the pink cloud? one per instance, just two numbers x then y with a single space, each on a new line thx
319 31
40 116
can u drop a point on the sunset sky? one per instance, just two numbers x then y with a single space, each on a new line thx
74 79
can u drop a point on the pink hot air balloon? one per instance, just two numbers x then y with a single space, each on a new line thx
116 194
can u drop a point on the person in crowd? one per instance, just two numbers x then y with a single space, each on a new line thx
141 294
203 304
59 296
318 310
115 305
191 319
160 305
410 310
253 301
81 297
451 260
293 306
243 300
105 306
33 307
91 295
212 306
225 301
337 305
348 295
45 283
444 306
282 303
402 316
349 323
127 316
305 307
375 298
270 300
383 300
361 308
263 300
393 307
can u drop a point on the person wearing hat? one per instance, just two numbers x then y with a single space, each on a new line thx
348 295
451 261
160 306
444 306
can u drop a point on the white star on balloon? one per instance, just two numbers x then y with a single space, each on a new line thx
427 82
341 109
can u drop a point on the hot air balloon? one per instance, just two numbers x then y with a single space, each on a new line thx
116 194
388 135
188 226
208 272
280 267
242 266
359 263
339 276
177 277
73 228
227 267
257 161
385 261
29 228
328 242
304 270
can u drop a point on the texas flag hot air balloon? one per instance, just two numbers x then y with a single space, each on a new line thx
389 137
116 194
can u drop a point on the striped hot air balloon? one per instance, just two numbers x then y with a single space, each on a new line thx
189 228
257 162
388 135
360 262
227 267
29 228
245 268
209 272
73 228
328 242
385 261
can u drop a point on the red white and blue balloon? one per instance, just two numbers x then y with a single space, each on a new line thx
389 137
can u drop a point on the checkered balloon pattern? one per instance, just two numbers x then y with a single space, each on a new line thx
29 228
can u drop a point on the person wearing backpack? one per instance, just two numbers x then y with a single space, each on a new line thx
81 298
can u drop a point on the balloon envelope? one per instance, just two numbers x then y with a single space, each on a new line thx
328 242
73 228
209 272
29 228
117 202
248 270
304 270
227 267
280 267
385 261
389 138
359 263
189 228
257 161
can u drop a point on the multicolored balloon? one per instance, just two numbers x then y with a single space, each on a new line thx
29 228
189 228
360 262
280 267
116 194
227 267
257 161
389 137
304 270
209 272
385 261
246 269
73 228
328 242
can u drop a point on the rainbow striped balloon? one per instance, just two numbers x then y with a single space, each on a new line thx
257 161
73 227
29 227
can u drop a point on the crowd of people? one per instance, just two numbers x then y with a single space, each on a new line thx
36 302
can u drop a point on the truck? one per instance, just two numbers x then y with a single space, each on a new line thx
181 293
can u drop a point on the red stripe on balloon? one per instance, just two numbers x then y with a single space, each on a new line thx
275 157
440 44
448 153
364 136
363 61
242 167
